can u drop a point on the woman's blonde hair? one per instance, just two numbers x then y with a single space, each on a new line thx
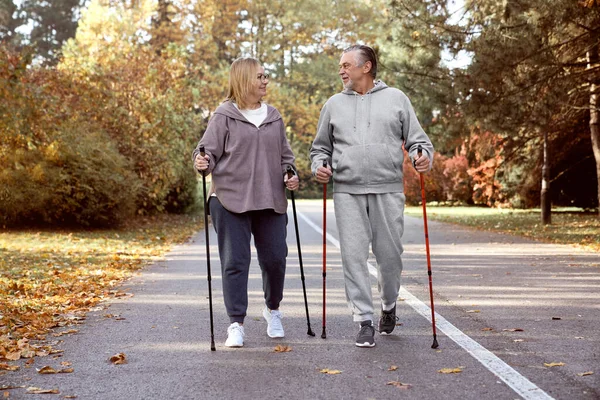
242 76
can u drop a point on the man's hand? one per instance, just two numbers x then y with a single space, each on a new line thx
201 163
422 163
323 174
291 183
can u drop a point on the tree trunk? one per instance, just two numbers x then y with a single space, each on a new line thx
545 194
593 58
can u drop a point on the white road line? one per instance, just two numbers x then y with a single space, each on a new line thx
517 382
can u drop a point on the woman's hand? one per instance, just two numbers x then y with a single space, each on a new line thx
201 163
291 183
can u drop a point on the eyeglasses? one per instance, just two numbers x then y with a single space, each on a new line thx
263 77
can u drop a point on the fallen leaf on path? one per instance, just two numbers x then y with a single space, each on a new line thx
487 329
66 371
7 367
6 395
473 311
518 340
393 368
14 356
66 364
451 370
282 349
59 334
556 318
399 385
513 330
554 364
46 370
118 359
586 373
35 390
328 371
71 397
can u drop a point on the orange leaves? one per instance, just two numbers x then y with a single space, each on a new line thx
8 367
328 371
282 349
554 364
51 279
118 359
48 370
456 370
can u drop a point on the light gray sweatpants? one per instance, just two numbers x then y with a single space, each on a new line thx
364 219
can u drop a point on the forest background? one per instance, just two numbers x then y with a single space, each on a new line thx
102 101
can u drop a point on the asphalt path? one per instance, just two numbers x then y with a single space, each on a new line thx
505 306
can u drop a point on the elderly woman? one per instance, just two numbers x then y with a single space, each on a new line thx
247 153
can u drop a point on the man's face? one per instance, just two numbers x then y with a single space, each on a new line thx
349 71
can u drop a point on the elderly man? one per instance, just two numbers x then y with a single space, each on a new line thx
360 134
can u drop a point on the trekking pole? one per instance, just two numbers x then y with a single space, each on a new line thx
435 342
210 306
323 334
290 174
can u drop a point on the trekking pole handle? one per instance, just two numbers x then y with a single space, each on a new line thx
290 171
419 153
202 153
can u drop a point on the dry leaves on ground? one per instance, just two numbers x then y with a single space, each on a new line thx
47 370
328 371
8 367
118 359
451 370
35 390
399 385
282 349
513 330
586 373
51 279
554 364
393 368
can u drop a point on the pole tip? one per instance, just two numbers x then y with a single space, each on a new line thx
310 332
435 344
323 334
212 348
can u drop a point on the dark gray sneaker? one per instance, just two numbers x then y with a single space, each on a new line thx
366 335
387 321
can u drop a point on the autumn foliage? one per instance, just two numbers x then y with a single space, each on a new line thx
93 147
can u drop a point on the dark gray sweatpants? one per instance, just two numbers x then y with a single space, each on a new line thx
233 233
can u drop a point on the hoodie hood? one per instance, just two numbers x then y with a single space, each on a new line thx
229 110
379 85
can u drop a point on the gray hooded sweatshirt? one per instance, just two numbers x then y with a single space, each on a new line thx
247 163
361 137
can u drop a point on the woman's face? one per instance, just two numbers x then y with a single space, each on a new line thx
259 86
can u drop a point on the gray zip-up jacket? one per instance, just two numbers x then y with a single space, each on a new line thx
361 137
247 163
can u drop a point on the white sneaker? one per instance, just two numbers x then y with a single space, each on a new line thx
235 335
274 326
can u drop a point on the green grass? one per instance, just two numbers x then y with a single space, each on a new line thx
569 225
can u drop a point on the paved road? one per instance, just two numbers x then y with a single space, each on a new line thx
505 306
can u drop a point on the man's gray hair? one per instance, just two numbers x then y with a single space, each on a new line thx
365 53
